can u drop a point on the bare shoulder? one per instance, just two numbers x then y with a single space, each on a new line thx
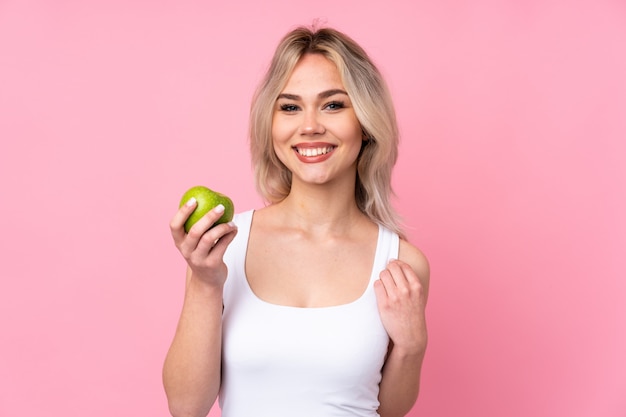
417 260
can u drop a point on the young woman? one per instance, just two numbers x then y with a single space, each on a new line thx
315 304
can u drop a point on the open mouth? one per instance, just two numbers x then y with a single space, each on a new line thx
323 150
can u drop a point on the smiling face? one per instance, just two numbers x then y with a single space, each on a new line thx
315 131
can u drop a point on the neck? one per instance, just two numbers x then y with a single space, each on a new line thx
324 209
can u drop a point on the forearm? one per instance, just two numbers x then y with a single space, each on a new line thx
400 382
191 372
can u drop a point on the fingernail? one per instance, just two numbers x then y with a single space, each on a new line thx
191 202
232 224
219 208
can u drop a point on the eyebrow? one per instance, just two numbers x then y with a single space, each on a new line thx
323 94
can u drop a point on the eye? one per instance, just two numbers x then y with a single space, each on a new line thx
335 105
289 108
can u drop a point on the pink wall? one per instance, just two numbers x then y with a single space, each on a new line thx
513 116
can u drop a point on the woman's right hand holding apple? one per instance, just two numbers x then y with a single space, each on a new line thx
203 247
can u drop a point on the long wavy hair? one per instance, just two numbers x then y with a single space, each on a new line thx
373 107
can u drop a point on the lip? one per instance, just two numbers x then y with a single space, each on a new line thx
326 150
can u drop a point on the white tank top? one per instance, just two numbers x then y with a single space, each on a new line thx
282 361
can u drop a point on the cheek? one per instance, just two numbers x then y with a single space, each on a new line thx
281 153
354 133
278 145
281 131
351 127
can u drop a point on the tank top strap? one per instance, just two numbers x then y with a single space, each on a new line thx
388 248
236 251
244 222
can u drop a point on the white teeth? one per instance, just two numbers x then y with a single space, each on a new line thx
314 151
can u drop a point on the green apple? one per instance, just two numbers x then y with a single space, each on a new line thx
207 199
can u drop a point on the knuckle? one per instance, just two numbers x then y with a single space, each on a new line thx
195 233
404 292
174 225
208 238
416 286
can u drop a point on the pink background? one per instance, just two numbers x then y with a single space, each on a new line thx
512 177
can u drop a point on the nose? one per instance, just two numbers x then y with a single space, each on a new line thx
311 124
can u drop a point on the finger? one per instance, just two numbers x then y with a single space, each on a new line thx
382 299
380 290
409 273
395 281
407 282
197 232
397 269
222 244
411 278
177 224
207 221
211 237
387 281
403 274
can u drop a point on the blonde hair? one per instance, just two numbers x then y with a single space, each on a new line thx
372 104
